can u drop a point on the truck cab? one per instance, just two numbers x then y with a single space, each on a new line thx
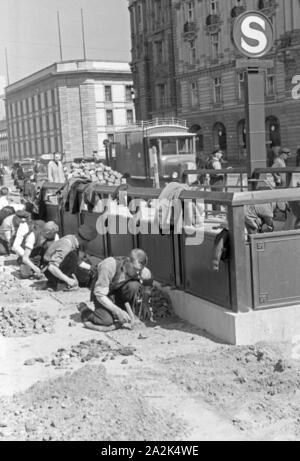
169 139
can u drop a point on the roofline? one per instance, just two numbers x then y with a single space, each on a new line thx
29 79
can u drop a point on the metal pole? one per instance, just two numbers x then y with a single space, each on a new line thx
59 36
83 39
7 72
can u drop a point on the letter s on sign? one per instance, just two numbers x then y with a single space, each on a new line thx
254 34
296 89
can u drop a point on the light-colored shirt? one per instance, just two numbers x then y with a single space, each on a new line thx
22 231
3 202
7 228
56 172
57 252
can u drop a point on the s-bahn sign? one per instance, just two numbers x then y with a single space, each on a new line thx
253 34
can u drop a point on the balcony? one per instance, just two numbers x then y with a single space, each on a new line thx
213 24
189 30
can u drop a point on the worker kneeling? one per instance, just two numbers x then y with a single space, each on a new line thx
63 259
115 290
31 247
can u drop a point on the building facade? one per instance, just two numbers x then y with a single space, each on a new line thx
153 63
3 143
70 107
210 87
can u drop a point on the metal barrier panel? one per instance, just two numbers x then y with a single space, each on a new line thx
159 249
53 214
199 277
70 222
97 247
275 269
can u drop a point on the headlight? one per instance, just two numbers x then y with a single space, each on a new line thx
175 175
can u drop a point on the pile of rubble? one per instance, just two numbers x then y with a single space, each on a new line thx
161 304
83 352
24 322
96 172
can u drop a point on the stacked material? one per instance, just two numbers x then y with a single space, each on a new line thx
96 172
24 322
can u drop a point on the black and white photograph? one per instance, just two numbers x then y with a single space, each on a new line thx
149 223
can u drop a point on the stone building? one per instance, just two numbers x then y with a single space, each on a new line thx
3 143
153 63
70 107
209 89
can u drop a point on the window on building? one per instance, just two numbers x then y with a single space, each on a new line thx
192 52
53 97
214 7
190 10
127 140
109 118
194 94
129 117
215 45
140 16
270 82
161 95
128 93
108 93
159 52
217 90
111 137
158 13
39 102
241 86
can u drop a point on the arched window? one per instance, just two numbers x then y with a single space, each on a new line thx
273 137
220 137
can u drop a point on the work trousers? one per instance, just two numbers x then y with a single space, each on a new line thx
101 316
68 267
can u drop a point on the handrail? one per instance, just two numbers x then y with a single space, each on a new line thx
233 199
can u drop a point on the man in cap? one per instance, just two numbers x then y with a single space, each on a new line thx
62 258
14 226
280 162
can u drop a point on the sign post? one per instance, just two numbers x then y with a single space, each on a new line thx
253 37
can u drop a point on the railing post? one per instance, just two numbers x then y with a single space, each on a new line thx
238 260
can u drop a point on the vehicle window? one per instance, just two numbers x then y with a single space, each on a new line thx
185 146
169 146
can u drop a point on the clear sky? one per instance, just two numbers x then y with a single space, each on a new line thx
29 31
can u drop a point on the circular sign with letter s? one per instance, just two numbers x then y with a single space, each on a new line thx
253 34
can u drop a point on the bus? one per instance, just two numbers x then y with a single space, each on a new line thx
135 146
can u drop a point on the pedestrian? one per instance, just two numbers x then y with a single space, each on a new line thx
216 180
116 287
62 259
3 197
56 170
2 174
32 248
280 162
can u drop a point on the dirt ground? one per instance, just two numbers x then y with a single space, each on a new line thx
162 381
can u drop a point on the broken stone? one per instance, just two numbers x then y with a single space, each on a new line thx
29 362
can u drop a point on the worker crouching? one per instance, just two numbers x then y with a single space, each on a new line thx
63 259
115 290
